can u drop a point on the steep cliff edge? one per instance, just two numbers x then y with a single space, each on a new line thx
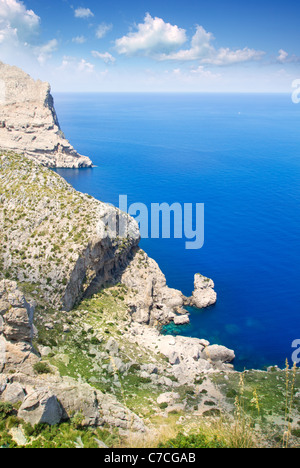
62 244
29 124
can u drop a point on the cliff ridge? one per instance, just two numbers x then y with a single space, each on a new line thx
29 124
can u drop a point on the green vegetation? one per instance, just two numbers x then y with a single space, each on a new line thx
70 434
194 441
42 368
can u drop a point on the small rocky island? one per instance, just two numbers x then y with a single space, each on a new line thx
81 310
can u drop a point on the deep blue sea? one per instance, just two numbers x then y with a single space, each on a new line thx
238 154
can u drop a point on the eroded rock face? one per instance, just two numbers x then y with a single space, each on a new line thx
29 124
154 302
57 239
62 243
16 330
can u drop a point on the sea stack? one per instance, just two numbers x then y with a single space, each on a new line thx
29 124
204 294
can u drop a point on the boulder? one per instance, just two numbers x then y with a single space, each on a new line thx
13 394
216 353
41 407
112 347
17 326
168 398
181 320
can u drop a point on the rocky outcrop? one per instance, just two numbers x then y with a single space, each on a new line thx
154 302
29 124
204 294
47 398
59 241
16 331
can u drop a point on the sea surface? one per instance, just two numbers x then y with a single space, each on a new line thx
237 154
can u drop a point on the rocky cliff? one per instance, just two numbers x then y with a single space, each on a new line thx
44 396
29 124
60 242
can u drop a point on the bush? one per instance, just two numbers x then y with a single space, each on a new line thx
6 409
163 406
95 341
42 368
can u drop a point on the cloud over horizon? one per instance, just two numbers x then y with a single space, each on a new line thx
161 41
100 45
152 37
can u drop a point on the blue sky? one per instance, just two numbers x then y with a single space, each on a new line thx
180 46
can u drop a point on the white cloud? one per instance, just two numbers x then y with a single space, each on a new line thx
284 57
200 47
106 56
196 74
103 29
75 65
45 51
203 51
161 41
204 73
226 56
19 32
85 66
83 13
154 36
79 39
16 22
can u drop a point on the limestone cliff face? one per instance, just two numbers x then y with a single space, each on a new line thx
29 124
54 238
16 329
58 242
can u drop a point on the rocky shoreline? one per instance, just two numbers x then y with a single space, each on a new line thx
50 398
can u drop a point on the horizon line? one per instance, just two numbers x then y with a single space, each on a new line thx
172 92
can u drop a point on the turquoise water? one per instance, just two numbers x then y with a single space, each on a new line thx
238 154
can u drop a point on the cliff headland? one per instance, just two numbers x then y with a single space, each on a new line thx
81 309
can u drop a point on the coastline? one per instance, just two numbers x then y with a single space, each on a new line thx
80 316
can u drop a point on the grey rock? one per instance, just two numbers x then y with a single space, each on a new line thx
217 353
170 398
41 407
3 383
174 358
14 393
112 346
45 350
